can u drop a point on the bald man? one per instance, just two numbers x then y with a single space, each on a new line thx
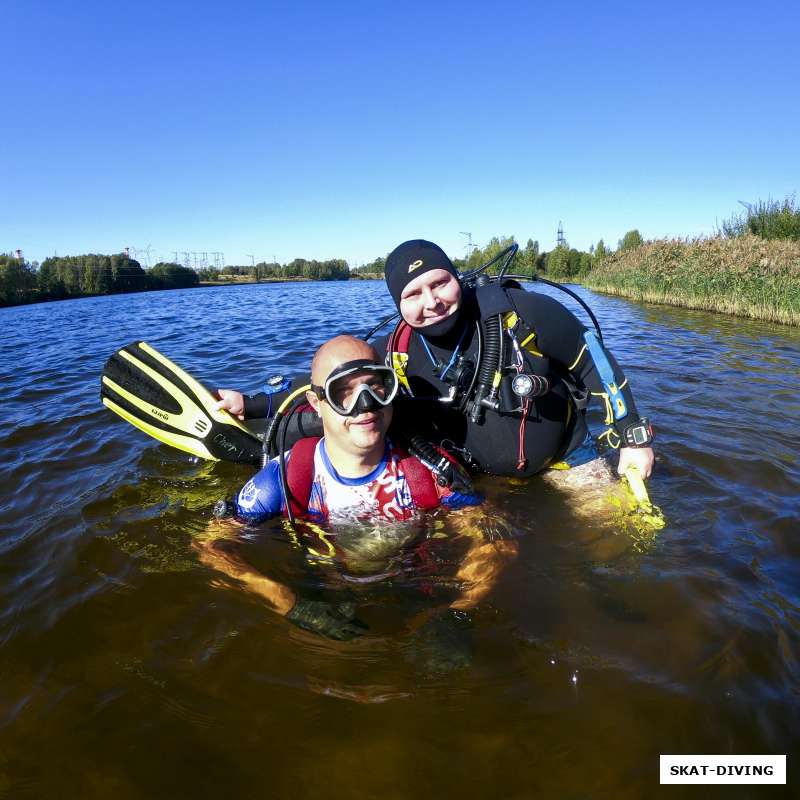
359 476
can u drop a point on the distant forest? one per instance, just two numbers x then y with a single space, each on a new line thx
65 277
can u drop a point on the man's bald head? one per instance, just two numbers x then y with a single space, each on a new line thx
338 351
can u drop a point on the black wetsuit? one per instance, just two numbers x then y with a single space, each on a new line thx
554 425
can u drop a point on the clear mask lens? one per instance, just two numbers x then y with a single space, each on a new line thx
344 389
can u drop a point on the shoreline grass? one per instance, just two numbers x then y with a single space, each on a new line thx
745 276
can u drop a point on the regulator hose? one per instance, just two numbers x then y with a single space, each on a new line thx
490 362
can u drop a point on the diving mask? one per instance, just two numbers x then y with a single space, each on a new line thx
357 387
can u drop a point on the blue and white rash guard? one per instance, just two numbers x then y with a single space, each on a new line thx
384 493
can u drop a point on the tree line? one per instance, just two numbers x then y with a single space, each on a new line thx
63 277
563 263
334 269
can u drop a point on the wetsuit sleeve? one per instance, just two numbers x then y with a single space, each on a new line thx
560 336
261 497
263 405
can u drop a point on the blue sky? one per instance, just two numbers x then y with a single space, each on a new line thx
331 129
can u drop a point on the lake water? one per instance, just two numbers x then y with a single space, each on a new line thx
128 671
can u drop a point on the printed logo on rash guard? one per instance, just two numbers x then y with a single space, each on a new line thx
392 494
248 495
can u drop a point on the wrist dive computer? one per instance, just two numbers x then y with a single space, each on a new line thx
638 434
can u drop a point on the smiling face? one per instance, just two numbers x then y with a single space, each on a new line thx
364 433
430 298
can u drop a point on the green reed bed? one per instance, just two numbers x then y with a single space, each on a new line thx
746 275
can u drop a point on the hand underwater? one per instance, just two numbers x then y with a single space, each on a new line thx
337 622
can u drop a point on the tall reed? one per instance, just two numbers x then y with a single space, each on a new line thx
746 275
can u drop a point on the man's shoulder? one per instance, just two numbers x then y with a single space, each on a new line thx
261 496
538 309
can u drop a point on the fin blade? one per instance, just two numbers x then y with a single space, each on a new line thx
202 394
186 443
155 395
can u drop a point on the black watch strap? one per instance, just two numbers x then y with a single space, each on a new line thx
638 434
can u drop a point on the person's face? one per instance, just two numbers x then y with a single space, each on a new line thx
359 434
430 298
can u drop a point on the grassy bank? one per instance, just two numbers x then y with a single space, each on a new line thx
243 280
747 276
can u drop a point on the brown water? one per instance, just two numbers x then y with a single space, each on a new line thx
126 671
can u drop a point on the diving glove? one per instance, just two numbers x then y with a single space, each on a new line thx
333 621
443 644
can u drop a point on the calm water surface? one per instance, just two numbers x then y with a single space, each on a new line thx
126 671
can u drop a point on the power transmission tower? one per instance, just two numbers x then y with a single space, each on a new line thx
469 246
187 260
560 240
217 259
175 259
252 259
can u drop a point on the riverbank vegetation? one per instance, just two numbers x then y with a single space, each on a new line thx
746 275
750 268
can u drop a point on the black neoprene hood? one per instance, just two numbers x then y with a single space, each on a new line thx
410 260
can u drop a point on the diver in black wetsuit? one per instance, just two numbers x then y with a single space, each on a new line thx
495 374
529 412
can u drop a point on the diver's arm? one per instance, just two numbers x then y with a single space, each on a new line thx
483 561
561 336
218 552
262 404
